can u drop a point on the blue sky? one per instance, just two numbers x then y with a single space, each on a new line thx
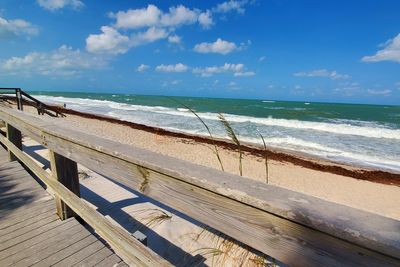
334 50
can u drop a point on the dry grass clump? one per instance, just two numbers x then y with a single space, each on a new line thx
153 217
225 251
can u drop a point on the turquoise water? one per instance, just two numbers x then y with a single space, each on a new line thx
367 135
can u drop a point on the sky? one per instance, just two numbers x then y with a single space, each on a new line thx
309 50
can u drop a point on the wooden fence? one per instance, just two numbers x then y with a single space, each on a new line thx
22 97
294 228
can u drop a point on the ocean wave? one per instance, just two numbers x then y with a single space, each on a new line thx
375 131
323 151
343 129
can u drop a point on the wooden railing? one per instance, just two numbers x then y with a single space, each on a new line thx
294 228
22 97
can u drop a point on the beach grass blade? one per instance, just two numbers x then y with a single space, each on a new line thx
266 158
231 133
216 152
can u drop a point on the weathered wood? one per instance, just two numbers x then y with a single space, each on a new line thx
31 211
48 256
35 232
131 250
64 171
31 246
95 258
31 249
110 261
12 242
17 226
15 137
264 217
81 254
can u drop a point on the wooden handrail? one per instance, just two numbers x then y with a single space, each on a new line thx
41 107
292 227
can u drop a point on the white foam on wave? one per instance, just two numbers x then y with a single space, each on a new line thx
343 129
336 128
323 139
299 145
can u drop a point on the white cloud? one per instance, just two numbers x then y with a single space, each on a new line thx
174 82
245 74
17 27
54 5
390 52
178 16
219 46
233 86
172 68
152 16
150 35
63 61
158 24
323 73
137 18
261 59
110 41
227 67
205 19
230 6
174 39
384 92
348 89
142 68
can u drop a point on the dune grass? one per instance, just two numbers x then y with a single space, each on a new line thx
232 135
223 250
154 217
266 159
216 152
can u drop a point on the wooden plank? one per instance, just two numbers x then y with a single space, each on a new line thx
28 228
17 226
81 254
110 261
64 171
29 235
46 254
30 248
15 137
30 210
13 204
132 251
249 211
66 252
95 258
10 185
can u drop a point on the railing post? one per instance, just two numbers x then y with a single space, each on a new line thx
19 98
15 137
65 171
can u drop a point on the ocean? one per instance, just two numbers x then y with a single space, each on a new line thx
362 135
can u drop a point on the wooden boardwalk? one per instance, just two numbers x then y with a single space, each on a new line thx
31 233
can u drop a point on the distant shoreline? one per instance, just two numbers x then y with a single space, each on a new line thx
280 155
